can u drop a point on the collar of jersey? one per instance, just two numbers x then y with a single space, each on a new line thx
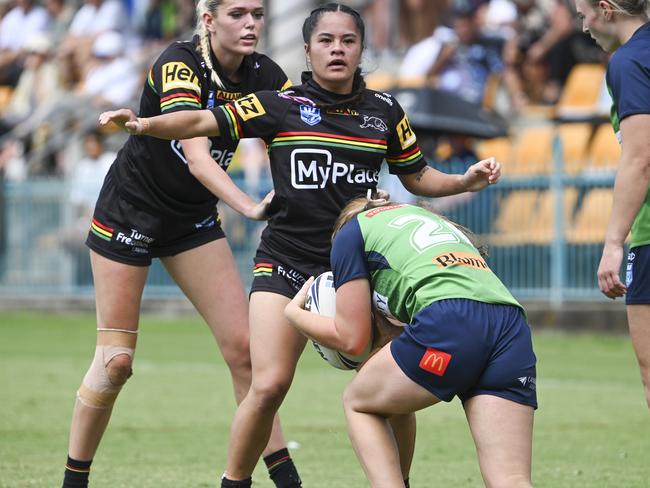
317 92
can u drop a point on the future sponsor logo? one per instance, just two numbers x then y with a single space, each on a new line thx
435 361
405 133
295 278
177 75
461 259
139 242
314 168
373 123
249 107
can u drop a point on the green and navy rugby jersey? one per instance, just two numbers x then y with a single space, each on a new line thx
412 258
153 172
628 81
320 158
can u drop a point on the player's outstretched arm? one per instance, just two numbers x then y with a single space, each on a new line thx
430 182
178 125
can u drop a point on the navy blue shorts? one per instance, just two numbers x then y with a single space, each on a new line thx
123 232
637 276
467 348
281 275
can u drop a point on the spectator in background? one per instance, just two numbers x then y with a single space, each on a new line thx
61 14
38 83
86 181
17 26
94 18
112 78
464 65
547 43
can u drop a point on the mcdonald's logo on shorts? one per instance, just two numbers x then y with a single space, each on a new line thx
435 361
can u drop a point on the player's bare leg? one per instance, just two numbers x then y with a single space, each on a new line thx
638 317
379 391
503 434
404 429
118 292
210 279
275 349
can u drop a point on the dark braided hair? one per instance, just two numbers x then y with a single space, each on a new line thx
307 30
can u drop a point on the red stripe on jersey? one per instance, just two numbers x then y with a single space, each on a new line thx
177 95
334 136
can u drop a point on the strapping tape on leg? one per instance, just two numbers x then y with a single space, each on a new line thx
97 390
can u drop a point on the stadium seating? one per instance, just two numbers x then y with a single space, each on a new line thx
592 217
411 81
499 147
516 212
380 81
574 138
532 152
581 92
604 151
542 224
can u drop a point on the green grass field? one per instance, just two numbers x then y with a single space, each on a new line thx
170 425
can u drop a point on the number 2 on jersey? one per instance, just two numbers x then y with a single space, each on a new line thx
428 232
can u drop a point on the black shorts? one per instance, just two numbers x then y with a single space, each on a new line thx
637 276
123 232
282 275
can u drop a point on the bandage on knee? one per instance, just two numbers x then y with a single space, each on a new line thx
97 390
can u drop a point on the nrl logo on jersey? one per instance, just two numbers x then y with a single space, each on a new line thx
310 115
373 123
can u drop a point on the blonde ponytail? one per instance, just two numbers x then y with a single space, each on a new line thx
204 48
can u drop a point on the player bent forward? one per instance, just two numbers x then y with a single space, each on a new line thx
466 336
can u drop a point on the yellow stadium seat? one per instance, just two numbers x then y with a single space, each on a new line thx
591 220
411 81
532 153
604 151
574 138
380 81
499 147
516 211
581 92
541 228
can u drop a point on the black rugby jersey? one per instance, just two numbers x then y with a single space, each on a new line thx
152 172
320 158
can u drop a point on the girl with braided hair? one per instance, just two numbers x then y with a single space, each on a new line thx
327 140
622 27
159 201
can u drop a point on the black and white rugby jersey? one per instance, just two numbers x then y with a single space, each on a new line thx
320 158
152 172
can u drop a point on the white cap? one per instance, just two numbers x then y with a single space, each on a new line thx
108 45
39 43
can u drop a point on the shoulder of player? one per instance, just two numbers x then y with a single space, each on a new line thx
625 61
381 99
179 51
